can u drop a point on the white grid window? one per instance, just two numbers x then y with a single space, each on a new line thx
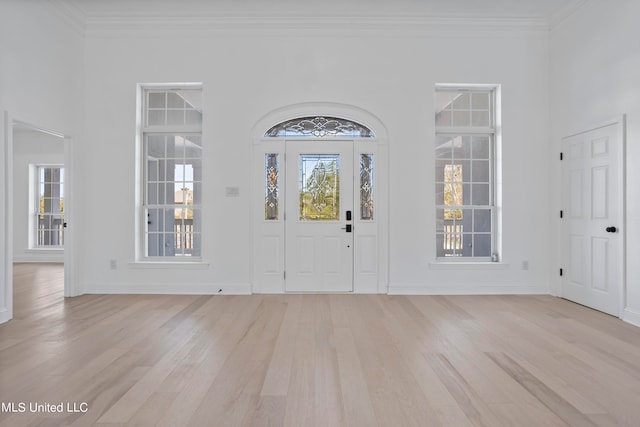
49 207
465 173
172 172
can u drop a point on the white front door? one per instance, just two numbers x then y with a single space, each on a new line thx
319 216
593 239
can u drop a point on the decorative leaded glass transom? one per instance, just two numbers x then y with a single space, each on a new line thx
319 126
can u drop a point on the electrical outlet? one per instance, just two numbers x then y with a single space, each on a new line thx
525 265
113 264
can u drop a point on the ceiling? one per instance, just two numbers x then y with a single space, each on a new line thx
544 10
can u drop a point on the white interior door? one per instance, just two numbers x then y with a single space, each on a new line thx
593 240
319 216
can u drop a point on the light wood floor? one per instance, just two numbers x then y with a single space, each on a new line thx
313 360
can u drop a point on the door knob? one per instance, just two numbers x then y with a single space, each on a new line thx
611 229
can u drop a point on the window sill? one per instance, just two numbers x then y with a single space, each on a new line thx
171 265
468 265
44 250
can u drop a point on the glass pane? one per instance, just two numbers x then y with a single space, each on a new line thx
480 118
175 117
154 244
466 220
449 242
461 118
440 169
186 232
193 117
439 194
192 99
443 118
466 194
174 100
196 242
155 146
183 194
440 221
467 244
366 186
453 214
481 171
482 220
319 186
272 186
481 147
156 118
482 245
192 146
152 194
462 101
444 145
480 194
480 101
440 251
197 193
461 147
157 100
464 170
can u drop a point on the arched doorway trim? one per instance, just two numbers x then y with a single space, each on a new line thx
276 139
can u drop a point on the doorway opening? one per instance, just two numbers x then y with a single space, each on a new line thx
38 212
36 205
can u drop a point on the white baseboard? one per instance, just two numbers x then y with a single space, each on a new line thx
38 258
5 315
631 316
169 288
412 289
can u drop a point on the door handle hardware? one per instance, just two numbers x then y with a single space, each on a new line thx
347 228
611 229
348 215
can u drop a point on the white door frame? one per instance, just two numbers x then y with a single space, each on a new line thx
268 236
620 179
6 207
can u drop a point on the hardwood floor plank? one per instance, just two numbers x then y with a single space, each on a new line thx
278 375
471 403
358 408
541 391
329 398
313 360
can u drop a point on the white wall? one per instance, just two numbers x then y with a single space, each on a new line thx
40 83
248 71
31 147
595 64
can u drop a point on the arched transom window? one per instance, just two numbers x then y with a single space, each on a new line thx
319 126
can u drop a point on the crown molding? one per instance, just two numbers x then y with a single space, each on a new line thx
398 26
565 12
70 13
329 22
